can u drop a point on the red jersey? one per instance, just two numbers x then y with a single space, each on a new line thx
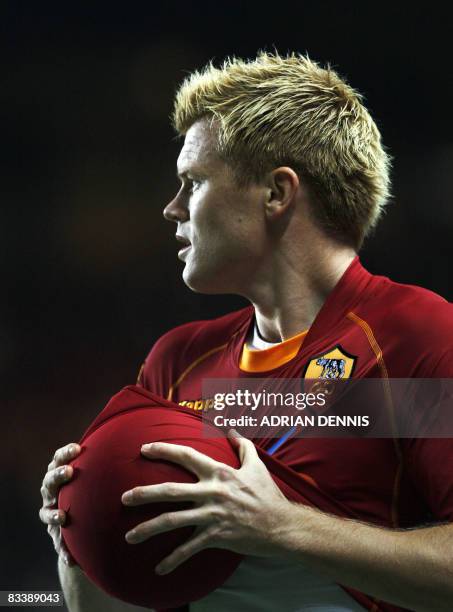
384 330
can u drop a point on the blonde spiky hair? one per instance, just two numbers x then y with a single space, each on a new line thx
274 111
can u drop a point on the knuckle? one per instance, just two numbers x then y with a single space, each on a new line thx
214 514
172 490
185 452
168 520
46 518
221 493
60 473
53 483
223 473
212 532
47 480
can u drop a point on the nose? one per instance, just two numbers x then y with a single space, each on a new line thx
176 211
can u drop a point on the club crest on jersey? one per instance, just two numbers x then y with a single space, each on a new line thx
333 365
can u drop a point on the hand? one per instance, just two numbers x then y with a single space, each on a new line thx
58 473
242 510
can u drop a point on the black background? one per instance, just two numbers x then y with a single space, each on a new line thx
90 275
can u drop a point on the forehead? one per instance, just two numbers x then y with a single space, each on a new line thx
199 147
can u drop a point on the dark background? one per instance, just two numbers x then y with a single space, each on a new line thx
90 276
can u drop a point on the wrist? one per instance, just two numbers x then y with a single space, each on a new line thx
288 533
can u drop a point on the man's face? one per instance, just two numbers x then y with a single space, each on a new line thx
223 226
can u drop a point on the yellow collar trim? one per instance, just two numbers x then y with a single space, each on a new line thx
273 357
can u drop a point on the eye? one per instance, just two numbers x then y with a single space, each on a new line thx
192 185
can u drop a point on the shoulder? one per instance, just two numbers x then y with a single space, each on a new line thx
182 346
411 320
416 309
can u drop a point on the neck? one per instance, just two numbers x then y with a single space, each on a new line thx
288 296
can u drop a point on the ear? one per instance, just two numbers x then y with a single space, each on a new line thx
283 184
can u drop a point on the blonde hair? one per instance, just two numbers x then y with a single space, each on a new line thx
274 111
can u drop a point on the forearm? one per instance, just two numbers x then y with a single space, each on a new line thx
412 569
81 595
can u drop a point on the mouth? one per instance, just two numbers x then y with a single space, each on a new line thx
185 244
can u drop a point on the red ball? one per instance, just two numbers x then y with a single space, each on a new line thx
110 464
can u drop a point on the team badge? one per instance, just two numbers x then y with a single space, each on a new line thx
333 365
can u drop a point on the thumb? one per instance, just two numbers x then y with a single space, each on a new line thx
245 447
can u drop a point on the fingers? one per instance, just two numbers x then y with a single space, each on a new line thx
167 522
246 448
165 492
58 473
52 517
233 433
64 455
192 460
52 482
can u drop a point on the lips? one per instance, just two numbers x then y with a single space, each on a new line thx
184 241
186 245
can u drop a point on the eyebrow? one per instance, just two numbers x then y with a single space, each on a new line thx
193 171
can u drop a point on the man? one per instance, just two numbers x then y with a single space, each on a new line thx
283 174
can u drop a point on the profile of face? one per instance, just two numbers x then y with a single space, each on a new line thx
221 226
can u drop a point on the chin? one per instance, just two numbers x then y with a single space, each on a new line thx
209 283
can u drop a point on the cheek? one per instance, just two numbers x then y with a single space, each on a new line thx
222 220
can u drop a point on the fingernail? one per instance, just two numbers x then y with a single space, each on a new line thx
72 450
146 447
62 471
126 497
130 536
159 570
56 517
